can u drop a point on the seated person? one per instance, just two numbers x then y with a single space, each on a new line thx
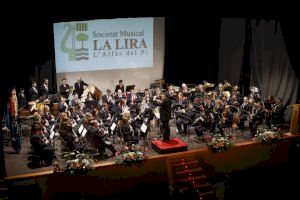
62 105
97 138
66 132
256 118
40 143
75 100
185 117
105 115
278 112
203 123
126 129
226 120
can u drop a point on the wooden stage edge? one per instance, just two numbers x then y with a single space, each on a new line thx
106 164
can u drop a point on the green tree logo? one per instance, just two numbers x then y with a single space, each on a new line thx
82 37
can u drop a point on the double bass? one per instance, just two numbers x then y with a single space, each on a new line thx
96 92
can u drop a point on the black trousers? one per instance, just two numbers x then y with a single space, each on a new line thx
104 145
253 126
165 130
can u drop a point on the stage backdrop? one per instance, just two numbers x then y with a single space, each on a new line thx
102 52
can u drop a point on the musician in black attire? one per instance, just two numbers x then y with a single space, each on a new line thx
66 132
64 88
226 120
98 141
257 118
33 92
278 112
126 130
39 142
137 121
268 104
185 117
106 98
78 86
22 102
218 110
120 86
45 89
62 105
245 109
203 123
208 104
105 116
165 116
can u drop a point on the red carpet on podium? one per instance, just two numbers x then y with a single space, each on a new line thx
173 146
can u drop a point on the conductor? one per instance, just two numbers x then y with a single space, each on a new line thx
165 116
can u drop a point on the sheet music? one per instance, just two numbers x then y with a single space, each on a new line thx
52 134
52 128
143 128
83 132
80 129
113 126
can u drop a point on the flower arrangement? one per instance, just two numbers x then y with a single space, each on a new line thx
76 163
219 143
268 136
131 157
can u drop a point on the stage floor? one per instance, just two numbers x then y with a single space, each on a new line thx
18 164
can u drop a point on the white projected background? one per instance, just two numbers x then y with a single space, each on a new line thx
122 49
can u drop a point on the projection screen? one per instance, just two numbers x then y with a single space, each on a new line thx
102 52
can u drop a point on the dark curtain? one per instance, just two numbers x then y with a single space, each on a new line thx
271 70
290 34
47 70
231 51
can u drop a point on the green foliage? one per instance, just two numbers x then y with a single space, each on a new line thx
76 163
219 143
131 157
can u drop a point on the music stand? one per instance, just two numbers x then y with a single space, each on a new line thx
129 88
